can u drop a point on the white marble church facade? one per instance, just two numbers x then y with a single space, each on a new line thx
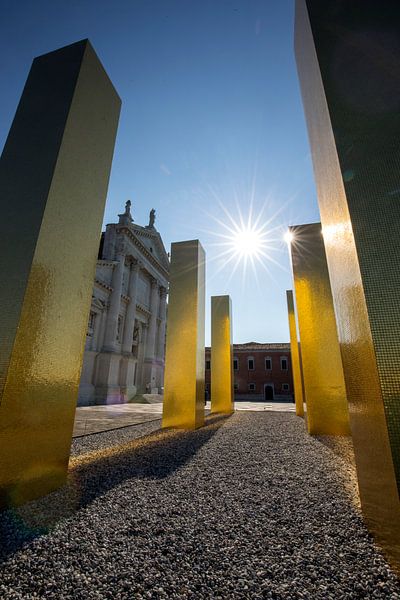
125 340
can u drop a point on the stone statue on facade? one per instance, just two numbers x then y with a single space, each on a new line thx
152 218
126 217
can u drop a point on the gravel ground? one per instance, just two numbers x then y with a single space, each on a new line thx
246 507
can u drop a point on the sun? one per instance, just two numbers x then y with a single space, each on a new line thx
247 241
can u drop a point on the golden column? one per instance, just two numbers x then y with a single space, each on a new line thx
184 356
352 114
54 174
221 355
326 403
295 355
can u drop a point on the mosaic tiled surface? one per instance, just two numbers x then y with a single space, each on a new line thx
221 355
184 354
295 355
325 394
348 58
54 174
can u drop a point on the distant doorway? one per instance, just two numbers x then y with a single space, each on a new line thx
268 393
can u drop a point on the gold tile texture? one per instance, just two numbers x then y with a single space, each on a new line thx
327 412
353 122
184 355
54 175
221 355
295 355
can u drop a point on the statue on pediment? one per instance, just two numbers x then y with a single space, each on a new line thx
152 218
126 217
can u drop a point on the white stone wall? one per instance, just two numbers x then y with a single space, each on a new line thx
128 288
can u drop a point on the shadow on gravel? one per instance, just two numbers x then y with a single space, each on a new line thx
91 475
340 445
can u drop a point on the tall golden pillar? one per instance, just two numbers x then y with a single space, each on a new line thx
221 355
54 174
327 412
184 355
295 355
346 61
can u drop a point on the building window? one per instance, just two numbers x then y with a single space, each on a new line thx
236 364
283 363
285 387
250 364
235 387
208 365
91 323
268 364
252 387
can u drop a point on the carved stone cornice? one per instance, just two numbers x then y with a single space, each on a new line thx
98 303
103 284
143 309
106 263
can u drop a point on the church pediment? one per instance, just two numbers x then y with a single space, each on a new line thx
151 239
146 239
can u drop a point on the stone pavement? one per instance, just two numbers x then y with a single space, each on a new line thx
270 406
95 419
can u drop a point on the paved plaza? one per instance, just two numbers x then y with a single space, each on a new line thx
248 506
95 419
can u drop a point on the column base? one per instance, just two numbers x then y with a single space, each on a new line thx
128 367
160 375
107 379
86 394
153 374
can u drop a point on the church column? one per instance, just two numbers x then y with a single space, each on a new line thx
96 330
102 327
131 309
161 339
151 337
149 374
163 317
110 336
140 376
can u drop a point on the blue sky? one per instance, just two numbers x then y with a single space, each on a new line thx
211 124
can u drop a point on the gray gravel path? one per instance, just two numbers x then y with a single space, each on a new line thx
246 507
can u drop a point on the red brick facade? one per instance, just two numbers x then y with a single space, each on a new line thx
261 372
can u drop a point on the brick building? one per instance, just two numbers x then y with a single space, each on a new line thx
261 372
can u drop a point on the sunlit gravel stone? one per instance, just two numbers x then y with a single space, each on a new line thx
246 507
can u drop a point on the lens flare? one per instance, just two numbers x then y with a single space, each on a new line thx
288 237
249 243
